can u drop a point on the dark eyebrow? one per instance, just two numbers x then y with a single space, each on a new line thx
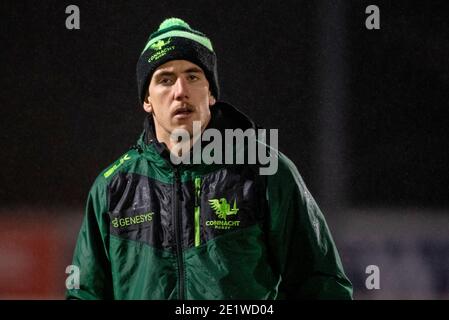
170 73
164 73
193 69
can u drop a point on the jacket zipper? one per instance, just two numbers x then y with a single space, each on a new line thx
197 211
178 234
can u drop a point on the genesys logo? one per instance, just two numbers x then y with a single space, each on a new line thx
129 221
223 211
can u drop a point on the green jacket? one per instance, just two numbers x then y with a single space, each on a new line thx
152 230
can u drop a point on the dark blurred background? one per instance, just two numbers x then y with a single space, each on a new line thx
361 112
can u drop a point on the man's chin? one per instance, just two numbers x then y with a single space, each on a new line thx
184 131
189 126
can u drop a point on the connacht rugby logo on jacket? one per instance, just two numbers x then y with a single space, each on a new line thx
223 210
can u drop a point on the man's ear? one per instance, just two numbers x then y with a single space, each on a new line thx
147 106
212 100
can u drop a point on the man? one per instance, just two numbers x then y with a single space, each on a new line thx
158 230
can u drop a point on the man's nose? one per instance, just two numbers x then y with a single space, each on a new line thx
181 89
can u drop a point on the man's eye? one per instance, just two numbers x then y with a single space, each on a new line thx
193 77
165 81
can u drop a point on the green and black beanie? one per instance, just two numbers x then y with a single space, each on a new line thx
175 40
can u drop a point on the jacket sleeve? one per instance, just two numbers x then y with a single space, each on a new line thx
304 252
91 252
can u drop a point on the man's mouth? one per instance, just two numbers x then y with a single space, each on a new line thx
182 112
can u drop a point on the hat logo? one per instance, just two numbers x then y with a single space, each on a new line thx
160 51
160 44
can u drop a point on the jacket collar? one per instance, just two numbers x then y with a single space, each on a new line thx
223 116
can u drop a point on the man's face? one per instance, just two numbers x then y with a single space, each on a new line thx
178 95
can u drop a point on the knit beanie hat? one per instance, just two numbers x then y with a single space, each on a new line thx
175 40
